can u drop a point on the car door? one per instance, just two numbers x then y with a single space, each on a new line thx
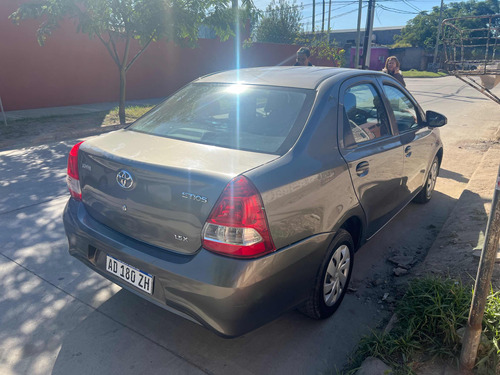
372 151
415 137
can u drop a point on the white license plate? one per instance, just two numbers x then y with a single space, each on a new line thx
132 275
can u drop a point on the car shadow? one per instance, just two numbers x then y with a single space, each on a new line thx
128 335
445 173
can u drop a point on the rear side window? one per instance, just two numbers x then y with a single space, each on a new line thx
365 117
404 110
246 117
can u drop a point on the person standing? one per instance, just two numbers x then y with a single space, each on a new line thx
303 55
392 66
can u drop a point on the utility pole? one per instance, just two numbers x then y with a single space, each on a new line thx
314 15
438 33
358 35
323 19
482 287
368 34
329 17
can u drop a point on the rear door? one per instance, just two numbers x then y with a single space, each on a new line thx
418 144
372 151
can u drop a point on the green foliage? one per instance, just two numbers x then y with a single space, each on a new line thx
421 31
322 49
280 23
429 316
114 21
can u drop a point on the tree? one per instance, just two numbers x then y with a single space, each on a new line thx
322 48
421 31
117 22
280 23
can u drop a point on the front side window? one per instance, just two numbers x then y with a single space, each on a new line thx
245 117
365 117
404 110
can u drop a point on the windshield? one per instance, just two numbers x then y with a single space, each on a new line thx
246 117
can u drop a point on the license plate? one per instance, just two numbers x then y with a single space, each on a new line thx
132 275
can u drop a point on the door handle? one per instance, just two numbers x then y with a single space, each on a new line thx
362 169
408 151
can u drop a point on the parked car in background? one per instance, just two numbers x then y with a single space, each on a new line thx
246 193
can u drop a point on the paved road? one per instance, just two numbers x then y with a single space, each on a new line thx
57 316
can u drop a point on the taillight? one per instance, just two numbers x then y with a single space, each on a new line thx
73 178
237 225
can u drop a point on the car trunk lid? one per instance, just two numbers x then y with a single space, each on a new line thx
157 190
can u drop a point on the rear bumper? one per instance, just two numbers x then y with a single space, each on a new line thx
229 296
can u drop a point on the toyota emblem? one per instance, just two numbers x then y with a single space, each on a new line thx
124 179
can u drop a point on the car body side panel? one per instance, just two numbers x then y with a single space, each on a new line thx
309 190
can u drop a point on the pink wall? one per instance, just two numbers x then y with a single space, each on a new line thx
72 69
378 55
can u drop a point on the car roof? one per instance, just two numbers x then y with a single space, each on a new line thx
307 77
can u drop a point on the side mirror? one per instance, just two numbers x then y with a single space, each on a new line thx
435 120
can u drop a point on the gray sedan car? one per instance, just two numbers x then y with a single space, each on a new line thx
246 193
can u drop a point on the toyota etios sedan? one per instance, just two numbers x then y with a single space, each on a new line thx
245 194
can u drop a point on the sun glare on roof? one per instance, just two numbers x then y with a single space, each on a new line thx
236 89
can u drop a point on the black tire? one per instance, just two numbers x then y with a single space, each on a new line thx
425 194
332 279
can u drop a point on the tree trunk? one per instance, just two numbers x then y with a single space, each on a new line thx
123 83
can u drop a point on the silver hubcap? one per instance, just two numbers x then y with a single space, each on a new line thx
431 180
336 275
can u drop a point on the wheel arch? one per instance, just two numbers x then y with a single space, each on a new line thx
354 226
439 155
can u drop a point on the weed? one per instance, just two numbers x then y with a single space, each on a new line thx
429 316
132 113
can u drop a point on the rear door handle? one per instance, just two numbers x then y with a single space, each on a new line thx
408 151
362 169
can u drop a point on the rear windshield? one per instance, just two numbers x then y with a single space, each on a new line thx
254 118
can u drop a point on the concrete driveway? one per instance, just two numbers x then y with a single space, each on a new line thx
57 316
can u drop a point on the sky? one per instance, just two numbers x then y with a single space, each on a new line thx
344 13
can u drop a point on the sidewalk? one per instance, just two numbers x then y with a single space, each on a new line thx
72 110
457 248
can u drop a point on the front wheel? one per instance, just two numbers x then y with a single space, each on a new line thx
425 194
333 278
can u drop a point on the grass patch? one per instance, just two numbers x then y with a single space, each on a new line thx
132 113
421 74
429 318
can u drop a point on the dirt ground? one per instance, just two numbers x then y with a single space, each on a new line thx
32 132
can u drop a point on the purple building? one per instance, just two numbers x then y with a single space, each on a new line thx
378 55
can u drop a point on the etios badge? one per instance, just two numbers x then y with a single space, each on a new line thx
124 179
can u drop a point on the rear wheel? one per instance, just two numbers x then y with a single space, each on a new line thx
333 278
425 194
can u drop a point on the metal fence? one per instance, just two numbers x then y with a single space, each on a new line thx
472 48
